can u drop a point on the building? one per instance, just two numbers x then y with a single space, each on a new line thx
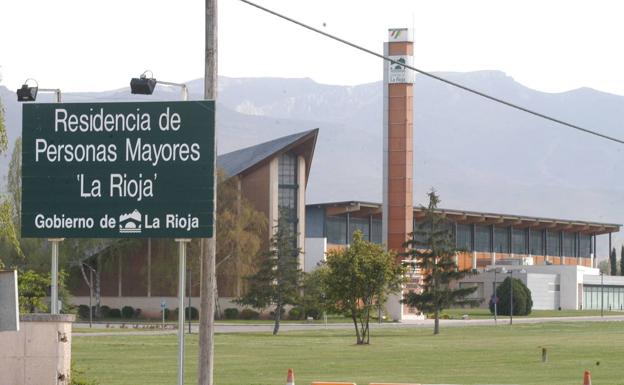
142 273
546 245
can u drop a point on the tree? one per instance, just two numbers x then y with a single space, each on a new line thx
613 262
622 260
603 266
359 278
241 234
7 228
522 300
32 288
278 280
432 251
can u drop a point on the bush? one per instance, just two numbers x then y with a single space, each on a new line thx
522 300
231 313
167 313
83 311
127 312
137 312
295 313
194 313
248 314
105 311
314 313
114 313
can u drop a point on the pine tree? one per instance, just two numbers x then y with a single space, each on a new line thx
613 262
278 280
432 251
622 260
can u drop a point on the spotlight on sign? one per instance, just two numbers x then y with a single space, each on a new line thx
27 93
142 85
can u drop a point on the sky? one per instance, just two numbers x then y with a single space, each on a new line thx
79 45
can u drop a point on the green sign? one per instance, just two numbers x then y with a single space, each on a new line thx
106 170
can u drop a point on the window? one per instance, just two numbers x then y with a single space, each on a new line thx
483 238
569 244
376 231
585 248
536 246
336 228
477 294
518 244
501 239
553 243
464 237
287 190
358 224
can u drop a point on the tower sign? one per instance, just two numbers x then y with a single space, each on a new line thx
106 170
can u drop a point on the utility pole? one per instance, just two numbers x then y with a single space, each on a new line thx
208 278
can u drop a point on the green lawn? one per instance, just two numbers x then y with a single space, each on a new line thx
485 313
500 355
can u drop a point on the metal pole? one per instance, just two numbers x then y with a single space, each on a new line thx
601 294
181 287
495 297
208 278
54 276
511 298
189 294
90 297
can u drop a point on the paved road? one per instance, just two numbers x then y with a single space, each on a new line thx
267 328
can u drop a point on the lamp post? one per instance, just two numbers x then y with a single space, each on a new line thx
494 296
27 93
144 85
602 294
511 297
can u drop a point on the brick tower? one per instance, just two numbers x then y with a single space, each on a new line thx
398 157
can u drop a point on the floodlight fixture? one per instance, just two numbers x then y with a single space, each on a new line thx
28 93
144 85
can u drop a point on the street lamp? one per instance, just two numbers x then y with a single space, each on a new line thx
28 93
144 85
602 294
511 307
494 296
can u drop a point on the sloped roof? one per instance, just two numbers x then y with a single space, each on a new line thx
236 162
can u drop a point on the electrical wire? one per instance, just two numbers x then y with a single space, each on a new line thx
425 73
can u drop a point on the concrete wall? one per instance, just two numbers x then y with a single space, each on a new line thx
544 291
39 353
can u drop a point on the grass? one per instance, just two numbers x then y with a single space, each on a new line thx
485 313
475 355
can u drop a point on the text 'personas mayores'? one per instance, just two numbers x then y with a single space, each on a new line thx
135 149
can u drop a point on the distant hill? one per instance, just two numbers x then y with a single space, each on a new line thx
479 155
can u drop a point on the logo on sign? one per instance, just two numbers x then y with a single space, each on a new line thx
130 223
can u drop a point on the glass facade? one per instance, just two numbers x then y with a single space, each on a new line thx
536 246
464 237
553 243
483 238
505 239
501 239
288 189
519 241
612 297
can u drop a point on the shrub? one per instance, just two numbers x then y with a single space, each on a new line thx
137 312
83 311
114 313
231 313
522 301
314 313
127 312
167 313
194 313
295 313
248 314
105 311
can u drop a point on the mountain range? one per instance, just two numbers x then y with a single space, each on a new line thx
478 155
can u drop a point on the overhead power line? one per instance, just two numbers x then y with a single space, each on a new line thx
429 74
